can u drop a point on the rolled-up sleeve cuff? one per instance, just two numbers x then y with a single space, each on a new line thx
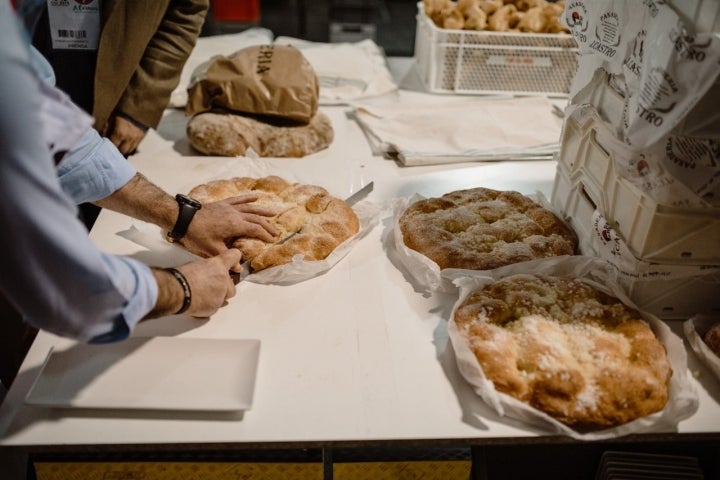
93 169
135 281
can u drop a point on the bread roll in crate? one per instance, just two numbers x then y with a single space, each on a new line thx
478 47
660 218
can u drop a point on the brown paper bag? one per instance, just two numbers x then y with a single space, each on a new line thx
271 80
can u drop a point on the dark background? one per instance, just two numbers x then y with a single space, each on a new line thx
390 23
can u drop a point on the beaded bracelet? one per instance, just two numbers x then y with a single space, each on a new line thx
186 289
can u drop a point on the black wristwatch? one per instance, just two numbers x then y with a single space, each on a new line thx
188 207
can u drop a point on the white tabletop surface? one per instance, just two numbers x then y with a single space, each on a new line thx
355 354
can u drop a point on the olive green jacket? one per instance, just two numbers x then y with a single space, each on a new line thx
143 47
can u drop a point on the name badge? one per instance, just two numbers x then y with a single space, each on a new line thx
74 24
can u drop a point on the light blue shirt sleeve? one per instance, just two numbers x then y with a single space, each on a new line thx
51 271
93 169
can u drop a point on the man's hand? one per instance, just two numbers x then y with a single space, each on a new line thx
124 134
210 286
216 225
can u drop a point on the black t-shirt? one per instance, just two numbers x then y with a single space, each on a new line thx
74 69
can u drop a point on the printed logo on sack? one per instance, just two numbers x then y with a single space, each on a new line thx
264 60
656 97
690 153
642 166
606 235
685 45
576 19
634 59
84 2
652 7
607 34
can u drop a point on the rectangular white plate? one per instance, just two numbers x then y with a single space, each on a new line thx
167 373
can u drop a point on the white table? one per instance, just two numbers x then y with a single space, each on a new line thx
356 356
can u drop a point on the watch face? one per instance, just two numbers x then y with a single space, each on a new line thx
185 200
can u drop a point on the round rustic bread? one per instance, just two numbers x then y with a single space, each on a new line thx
317 221
482 229
567 349
712 338
230 135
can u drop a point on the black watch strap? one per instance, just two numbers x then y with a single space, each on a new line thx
187 209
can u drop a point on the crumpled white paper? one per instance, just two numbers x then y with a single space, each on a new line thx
346 71
683 400
423 133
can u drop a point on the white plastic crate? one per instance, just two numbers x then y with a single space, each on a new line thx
479 62
652 231
669 291
605 93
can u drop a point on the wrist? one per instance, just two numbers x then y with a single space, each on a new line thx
172 296
187 293
187 208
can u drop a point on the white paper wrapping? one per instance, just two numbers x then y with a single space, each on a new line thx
683 400
694 330
421 268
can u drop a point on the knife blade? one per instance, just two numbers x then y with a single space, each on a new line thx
351 200
360 194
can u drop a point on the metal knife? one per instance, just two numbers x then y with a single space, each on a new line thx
351 200
360 194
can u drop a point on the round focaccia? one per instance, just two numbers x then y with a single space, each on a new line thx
482 229
230 135
311 222
567 349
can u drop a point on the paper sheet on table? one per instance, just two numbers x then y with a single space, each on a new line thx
346 71
448 132
208 47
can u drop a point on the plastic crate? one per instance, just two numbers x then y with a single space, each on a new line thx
479 62
606 94
669 291
652 231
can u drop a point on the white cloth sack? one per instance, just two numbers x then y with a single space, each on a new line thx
346 71
460 131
